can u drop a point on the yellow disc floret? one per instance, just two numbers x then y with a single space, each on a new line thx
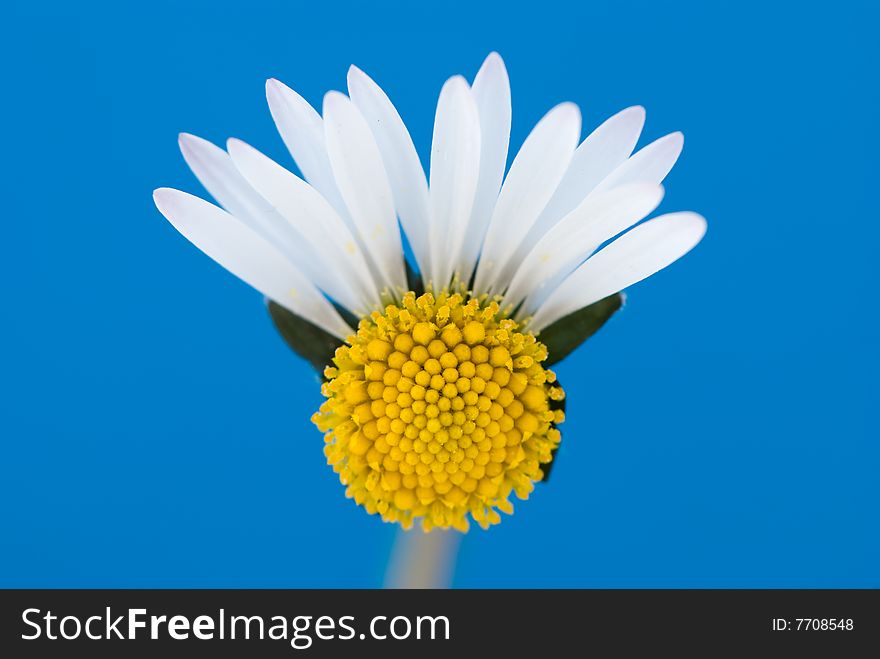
438 409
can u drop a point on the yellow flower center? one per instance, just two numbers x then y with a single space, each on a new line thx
439 409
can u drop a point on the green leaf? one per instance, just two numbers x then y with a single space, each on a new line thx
306 339
567 333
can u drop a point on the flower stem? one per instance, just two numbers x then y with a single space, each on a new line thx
422 560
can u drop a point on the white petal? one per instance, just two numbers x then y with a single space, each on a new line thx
405 172
648 165
597 156
492 94
533 177
216 171
363 183
639 253
302 130
455 167
248 256
574 238
342 271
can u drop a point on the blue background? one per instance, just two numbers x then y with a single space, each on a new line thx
722 428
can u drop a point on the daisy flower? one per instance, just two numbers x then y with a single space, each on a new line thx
434 342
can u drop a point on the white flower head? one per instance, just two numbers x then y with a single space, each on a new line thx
506 257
